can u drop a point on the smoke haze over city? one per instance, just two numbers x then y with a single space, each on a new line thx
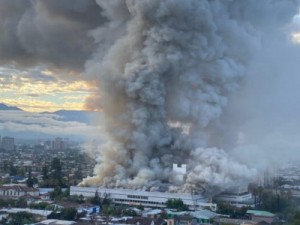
212 84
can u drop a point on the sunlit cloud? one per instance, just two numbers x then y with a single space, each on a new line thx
39 90
296 38
34 105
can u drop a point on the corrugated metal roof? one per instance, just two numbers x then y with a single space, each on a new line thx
204 214
260 213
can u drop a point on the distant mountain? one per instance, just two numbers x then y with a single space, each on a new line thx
72 124
6 107
86 117
79 116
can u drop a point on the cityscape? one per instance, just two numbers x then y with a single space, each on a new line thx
41 181
149 112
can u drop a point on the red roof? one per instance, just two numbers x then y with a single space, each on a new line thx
18 188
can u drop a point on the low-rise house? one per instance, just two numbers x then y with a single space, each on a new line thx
261 216
152 213
182 220
18 179
145 221
38 214
30 198
45 196
61 222
226 221
88 208
204 216
56 222
191 217
14 192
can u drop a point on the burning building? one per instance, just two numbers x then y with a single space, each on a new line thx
144 198
149 198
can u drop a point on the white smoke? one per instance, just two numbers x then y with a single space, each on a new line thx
164 62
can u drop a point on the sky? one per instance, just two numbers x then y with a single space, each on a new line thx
40 90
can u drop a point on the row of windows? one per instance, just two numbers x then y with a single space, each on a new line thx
137 196
137 201
10 193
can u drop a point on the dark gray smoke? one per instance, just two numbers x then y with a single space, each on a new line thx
176 80
54 32
165 80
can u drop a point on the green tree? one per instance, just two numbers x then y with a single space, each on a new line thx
108 211
21 218
96 200
3 203
140 207
29 181
129 212
56 170
56 194
6 166
78 173
55 178
12 169
21 202
66 193
45 173
40 205
176 204
274 202
232 211
68 214
77 198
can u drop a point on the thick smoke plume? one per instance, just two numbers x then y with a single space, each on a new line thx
164 82
176 80
50 32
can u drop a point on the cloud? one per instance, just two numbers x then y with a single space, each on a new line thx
50 31
38 104
28 125
37 89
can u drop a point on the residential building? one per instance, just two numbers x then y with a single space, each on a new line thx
182 220
200 217
145 221
37 213
58 144
15 192
8 143
261 216
227 221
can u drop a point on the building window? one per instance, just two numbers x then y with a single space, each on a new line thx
137 196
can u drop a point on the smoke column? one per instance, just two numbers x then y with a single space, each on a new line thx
164 79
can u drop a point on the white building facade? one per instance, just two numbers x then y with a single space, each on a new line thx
14 192
236 199
145 198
